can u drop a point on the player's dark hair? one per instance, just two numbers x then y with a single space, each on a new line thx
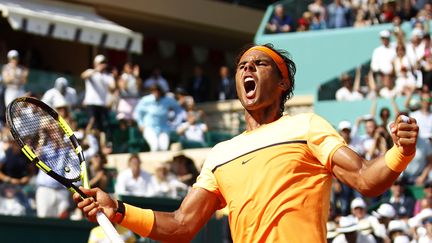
288 62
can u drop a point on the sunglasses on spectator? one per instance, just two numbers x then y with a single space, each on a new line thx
428 99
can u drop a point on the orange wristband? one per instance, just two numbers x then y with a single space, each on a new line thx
396 161
138 220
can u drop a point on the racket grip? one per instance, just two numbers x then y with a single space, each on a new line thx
108 228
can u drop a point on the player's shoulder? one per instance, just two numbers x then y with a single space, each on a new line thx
301 117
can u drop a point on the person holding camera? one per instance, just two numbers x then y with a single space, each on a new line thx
99 83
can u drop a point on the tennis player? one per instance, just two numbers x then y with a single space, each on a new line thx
276 176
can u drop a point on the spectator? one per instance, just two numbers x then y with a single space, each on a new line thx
426 200
227 89
130 88
97 173
385 213
317 8
52 198
370 90
423 116
192 132
303 23
152 116
406 11
387 11
349 232
10 203
317 23
88 141
61 91
402 202
360 19
405 80
383 55
183 167
388 89
371 12
427 236
15 173
379 145
396 229
133 180
15 168
418 170
280 22
384 117
415 48
398 31
156 78
345 130
120 134
186 103
339 15
129 82
367 224
349 90
367 139
98 85
14 77
198 86
165 184
426 62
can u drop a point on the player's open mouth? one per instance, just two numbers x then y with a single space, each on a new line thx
249 85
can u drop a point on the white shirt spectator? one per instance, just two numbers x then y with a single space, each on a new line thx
97 89
52 95
127 185
387 93
131 85
170 187
382 58
344 94
424 121
415 52
193 132
11 206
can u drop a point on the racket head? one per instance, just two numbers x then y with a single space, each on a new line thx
47 140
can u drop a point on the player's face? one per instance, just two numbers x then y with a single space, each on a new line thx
258 81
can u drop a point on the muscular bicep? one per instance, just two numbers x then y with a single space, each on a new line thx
346 165
182 225
370 178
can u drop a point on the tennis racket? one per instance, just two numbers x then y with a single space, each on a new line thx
48 141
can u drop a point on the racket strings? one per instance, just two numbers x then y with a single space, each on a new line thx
43 134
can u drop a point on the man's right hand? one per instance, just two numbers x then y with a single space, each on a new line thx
97 200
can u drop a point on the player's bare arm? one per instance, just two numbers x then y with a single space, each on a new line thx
373 177
179 226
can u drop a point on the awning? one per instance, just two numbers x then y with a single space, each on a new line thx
69 21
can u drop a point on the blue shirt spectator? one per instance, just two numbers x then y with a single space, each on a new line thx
339 16
280 22
152 115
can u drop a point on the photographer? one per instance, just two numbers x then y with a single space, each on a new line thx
99 83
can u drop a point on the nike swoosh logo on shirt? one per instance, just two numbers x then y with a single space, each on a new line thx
245 161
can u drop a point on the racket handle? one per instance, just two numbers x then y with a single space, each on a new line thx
108 228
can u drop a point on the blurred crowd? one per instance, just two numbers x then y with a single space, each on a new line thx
400 67
117 112
348 13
